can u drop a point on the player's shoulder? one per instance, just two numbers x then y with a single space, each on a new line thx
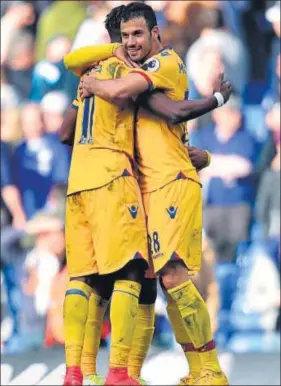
167 58
109 67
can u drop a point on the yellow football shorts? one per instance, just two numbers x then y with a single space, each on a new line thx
174 221
105 228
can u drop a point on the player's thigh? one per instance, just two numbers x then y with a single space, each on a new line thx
175 224
120 225
79 239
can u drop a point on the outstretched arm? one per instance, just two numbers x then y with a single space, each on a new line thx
181 111
79 60
177 111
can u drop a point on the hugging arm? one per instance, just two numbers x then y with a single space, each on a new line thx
176 111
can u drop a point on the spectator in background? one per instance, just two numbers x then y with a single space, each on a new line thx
55 327
268 199
9 192
19 63
186 21
53 107
49 74
269 149
273 16
18 16
13 220
10 130
41 266
230 190
62 18
208 68
92 29
40 161
231 51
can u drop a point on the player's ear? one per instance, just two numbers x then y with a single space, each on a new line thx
155 32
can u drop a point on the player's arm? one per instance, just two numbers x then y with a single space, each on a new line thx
182 111
79 60
116 91
132 84
67 130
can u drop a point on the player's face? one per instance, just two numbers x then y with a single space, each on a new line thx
137 39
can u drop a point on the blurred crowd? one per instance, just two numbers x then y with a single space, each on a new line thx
240 278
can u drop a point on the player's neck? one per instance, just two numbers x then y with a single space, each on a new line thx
156 48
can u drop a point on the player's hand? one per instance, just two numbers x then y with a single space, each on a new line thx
223 86
198 158
121 54
86 83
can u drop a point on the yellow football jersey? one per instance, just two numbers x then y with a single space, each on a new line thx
160 152
104 138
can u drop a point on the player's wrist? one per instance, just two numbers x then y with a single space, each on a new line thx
220 98
208 158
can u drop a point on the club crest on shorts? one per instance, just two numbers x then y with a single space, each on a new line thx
172 211
133 209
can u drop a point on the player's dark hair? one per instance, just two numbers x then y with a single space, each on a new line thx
112 23
136 10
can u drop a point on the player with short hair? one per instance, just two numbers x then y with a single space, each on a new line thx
106 234
169 184
145 318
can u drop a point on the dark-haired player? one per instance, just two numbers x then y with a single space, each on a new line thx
106 235
177 131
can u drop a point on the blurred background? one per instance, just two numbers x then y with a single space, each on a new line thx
240 278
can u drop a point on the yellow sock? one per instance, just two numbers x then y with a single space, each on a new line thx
123 315
182 337
196 320
97 309
142 338
75 316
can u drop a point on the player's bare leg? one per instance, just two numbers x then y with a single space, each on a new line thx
191 322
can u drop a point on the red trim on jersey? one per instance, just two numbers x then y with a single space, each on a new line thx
189 347
146 77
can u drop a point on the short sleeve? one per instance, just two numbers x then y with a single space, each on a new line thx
75 102
160 72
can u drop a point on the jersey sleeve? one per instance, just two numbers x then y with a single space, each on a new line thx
78 60
112 69
160 72
75 102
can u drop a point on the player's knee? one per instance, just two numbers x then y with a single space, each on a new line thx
148 291
173 274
